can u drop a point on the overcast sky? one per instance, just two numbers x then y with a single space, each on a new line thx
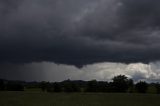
54 40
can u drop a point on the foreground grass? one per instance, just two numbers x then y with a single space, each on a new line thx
77 99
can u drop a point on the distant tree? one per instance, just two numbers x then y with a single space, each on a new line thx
57 87
92 86
50 87
43 86
131 86
71 86
2 85
32 85
157 85
120 83
102 86
141 87
14 86
110 87
75 87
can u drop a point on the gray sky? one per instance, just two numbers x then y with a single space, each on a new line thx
77 33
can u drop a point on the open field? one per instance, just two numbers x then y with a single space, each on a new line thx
77 99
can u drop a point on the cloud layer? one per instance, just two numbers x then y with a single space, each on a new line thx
47 71
79 32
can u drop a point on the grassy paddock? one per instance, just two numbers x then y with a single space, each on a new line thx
77 99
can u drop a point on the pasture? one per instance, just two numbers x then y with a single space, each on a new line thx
33 98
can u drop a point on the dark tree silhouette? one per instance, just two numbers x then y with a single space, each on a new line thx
70 86
92 86
14 86
120 83
57 87
2 85
141 87
43 85
131 86
75 88
157 85
102 86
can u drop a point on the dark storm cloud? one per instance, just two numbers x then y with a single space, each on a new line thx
79 32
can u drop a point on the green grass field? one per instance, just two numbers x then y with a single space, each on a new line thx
77 99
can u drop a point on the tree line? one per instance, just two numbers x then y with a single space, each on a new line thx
119 84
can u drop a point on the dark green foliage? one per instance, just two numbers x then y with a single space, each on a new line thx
43 86
32 85
102 86
70 86
14 86
92 86
57 87
157 85
130 86
2 85
141 87
121 83
96 86
50 87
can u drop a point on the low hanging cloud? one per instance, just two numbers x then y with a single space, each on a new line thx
47 71
79 32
